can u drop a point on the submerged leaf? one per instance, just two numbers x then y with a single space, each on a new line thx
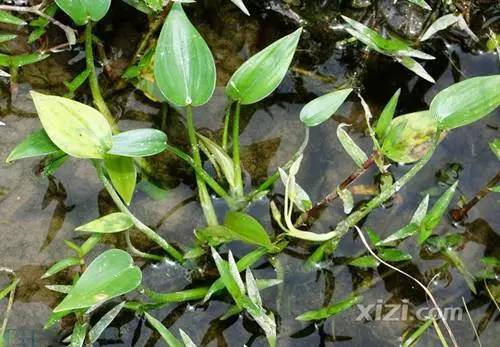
111 274
347 199
36 144
329 311
495 147
260 75
77 129
322 108
466 102
112 223
184 65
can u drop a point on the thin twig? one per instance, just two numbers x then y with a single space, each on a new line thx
472 323
459 214
421 285
314 213
69 31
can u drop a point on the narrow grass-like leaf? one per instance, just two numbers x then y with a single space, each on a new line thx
412 65
387 115
253 290
111 274
495 147
7 18
221 158
329 311
111 223
433 217
184 65
77 129
186 339
167 336
350 146
417 334
78 335
81 11
36 144
123 175
439 24
58 288
393 255
366 262
300 198
403 233
139 143
241 6
6 291
322 108
260 75
466 102
242 264
7 37
104 322
421 211
230 280
421 3
22 59
61 265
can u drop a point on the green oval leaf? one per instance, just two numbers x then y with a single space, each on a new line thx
184 65
112 223
83 10
466 102
260 75
248 228
123 175
321 109
409 137
139 143
111 274
76 128
35 145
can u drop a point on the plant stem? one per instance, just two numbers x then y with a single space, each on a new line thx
313 213
459 214
205 200
153 236
344 226
227 117
94 83
201 172
238 180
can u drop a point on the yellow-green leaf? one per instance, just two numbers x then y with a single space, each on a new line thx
77 129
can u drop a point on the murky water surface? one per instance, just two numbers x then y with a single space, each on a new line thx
38 214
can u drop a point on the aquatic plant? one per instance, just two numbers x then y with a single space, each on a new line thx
184 75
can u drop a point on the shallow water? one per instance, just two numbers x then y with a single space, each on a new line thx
38 214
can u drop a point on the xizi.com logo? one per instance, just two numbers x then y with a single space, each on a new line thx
403 311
